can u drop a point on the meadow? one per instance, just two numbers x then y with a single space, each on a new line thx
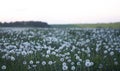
89 25
60 49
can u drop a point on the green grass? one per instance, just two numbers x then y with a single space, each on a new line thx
97 25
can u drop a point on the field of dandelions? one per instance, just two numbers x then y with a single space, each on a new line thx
55 49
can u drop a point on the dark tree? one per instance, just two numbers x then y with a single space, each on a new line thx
24 24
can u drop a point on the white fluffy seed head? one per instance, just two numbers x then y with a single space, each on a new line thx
100 66
116 63
24 62
31 62
78 63
73 68
64 63
47 56
105 51
50 62
43 63
64 67
111 53
69 60
87 64
12 58
37 62
3 67
34 66
72 63
61 59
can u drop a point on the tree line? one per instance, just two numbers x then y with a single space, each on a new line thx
24 24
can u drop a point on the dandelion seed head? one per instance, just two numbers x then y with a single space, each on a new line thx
73 68
43 63
3 67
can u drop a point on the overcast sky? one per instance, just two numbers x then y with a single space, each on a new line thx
60 11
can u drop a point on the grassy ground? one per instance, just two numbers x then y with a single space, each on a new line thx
100 25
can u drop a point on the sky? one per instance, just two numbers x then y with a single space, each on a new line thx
60 11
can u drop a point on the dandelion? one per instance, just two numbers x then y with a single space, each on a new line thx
53 53
87 60
66 57
34 66
24 53
30 52
48 51
3 57
3 67
29 67
116 63
100 66
47 56
78 52
87 64
37 62
43 63
80 60
24 62
73 68
105 51
64 67
69 60
31 62
72 63
50 62
78 63
12 58
63 63
87 40
112 53
61 59
92 63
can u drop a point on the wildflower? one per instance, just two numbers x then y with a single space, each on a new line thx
87 40
50 62
43 63
111 53
77 57
3 67
47 56
34 66
116 63
63 63
53 53
61 59
48 51
31 62
24 53
3 57
73 68
37 62
100 66
92 63
29 67
69 60
87 60
66 57
105 51
12 58
64 67
78 63
24 62
87 64
72 63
